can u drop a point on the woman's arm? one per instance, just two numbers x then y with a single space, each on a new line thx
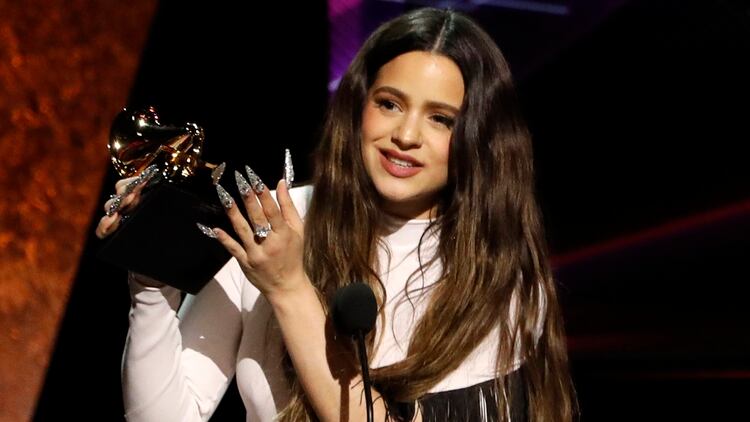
175 367
178 367
274 265
324 366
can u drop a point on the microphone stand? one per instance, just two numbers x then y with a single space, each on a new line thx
354 312
365 373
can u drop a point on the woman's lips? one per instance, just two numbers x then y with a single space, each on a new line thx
397 170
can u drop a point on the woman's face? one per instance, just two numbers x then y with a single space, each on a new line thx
407 123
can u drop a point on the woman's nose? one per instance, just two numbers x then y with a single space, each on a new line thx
407 134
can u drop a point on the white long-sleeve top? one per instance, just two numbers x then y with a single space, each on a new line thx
179 359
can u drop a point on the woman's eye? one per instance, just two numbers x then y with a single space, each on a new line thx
386 105
444 120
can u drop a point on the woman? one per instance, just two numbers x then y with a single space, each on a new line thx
423 188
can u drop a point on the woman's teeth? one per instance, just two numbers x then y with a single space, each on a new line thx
401 163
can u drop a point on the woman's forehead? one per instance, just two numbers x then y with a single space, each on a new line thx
424 74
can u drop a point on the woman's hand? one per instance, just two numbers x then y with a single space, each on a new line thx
127 195
270 245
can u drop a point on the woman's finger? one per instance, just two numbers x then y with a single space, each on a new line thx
250 199
120 204
122 184
240 225
131 201
288 209
267 214
126 187
231 245
107 225
271 211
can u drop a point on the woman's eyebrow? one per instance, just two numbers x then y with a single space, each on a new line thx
398 93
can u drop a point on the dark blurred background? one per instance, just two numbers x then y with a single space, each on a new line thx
638 110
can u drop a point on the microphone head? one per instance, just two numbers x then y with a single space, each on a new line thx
354 309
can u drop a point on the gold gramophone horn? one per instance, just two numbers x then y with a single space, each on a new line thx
138 139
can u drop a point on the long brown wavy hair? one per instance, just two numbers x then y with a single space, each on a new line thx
491 239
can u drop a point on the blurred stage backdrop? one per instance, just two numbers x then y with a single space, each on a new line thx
639 112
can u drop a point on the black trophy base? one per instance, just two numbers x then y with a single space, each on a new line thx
160 237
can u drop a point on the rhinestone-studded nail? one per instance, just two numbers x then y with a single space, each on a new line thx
217 172
206 230
224 197
288 168
142 178
149 172
255 181
242 184
115 205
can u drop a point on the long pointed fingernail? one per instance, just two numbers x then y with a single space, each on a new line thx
255 181
115 205
224 197
149 172
288 168
242 184
206 230
217 172
142 178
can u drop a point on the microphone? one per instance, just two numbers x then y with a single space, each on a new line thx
354 312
